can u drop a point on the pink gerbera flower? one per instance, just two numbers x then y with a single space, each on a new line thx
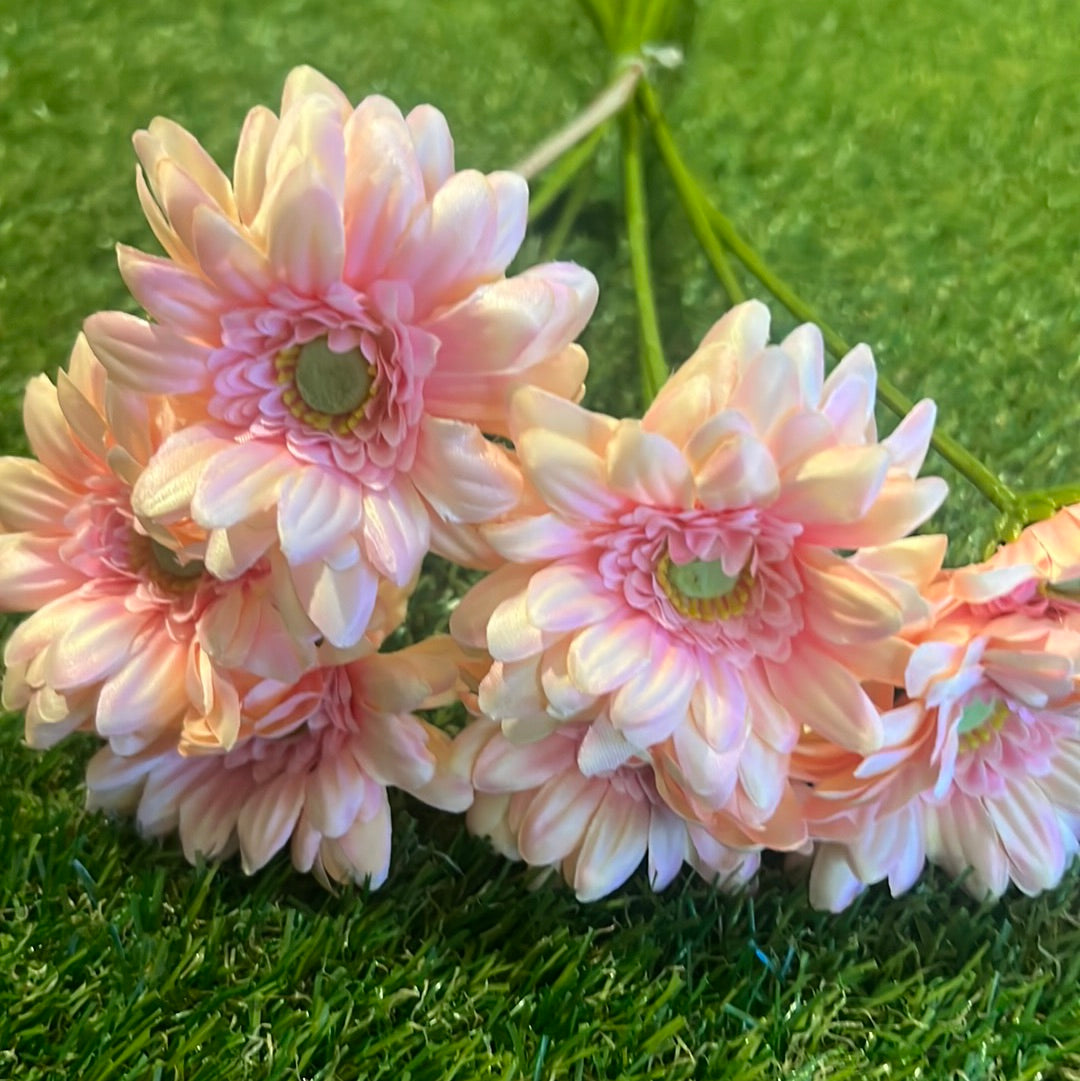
337 326
584 800
677 577
312 772
980 770
128 632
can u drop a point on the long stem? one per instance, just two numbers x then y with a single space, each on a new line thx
690 195
604 106
563 173
568 215
654 369
982 478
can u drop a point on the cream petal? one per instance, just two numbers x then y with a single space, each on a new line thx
604 656
557 818
511 636
315 509
655 700
96 639
147 357
433 145
167 139
833 884
469 620
668 845
615 843
339 602
362 855
207 822
305 81
267 819
835 486
384 187
172 295
462 475
148 693
769 390
603 749
249 168
739 471
818 692
237 482
565 699
393 749
336 790
49 435
910 439
532 407
806 348
744 329
305 232
511 691
396 531
1030 834
570 478
647 468
566 596
681 407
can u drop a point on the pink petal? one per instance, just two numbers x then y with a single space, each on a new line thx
805 346
910 439
844 603
848 397
542 537
433 145
570 478
834 486
97 638
469 620
558 817
769 390
820 693
649 469
362 855
48 433
147 357
462 475
603 749
567 596
384 187
148 693
650 705
249 168
268 818
511 635
604 656
316 508
239 481
230 258
172 295
503 766
305 81
336 790
615 843
667 847
305 232
396 531
733 469
533 407
681 407
339 602
167 486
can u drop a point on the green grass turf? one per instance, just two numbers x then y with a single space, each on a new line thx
912 169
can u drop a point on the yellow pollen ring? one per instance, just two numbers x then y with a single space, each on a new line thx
702 591
979 722
325 390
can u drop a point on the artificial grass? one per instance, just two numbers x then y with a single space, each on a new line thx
911 168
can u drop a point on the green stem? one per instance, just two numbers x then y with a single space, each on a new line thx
562 174
654 369
690 195
568 215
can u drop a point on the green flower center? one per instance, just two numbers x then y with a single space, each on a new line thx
326 390
703 590
166 562
979 721
330 382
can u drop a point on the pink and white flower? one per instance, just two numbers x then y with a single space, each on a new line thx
677 577
584 800
980 770
128 629
317 781
336 325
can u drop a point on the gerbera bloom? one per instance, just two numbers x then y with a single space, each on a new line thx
980 771
316 777
128 632
336 322
584 800
677 576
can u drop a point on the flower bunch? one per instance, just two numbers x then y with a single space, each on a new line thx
703 634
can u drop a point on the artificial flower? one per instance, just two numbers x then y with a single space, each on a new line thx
583 800
128 631
337 328
311 772
678 579
980 769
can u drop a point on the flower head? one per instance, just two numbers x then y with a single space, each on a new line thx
980 768
677 577
337 328
317 781
127 624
